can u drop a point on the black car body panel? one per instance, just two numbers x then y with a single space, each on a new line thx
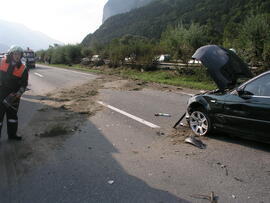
224 66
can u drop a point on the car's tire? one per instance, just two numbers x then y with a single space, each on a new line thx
200 122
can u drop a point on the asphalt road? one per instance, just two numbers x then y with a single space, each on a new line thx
122 155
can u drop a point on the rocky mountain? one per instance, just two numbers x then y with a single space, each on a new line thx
14 33
113 7
153 19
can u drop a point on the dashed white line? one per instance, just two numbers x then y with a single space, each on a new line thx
191 95
39 75
78 72
86 74
151 125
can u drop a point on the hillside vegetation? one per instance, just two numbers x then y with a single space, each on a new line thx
177 28
221 18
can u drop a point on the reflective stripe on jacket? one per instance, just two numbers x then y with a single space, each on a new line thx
17 72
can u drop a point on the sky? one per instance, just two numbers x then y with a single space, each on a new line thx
67 21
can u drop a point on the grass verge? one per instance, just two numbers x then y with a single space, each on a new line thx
168 77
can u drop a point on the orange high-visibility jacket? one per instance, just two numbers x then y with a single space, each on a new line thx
17 72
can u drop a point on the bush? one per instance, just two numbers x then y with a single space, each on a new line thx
254 39
67 54
139 52
181 42
86 52
199 74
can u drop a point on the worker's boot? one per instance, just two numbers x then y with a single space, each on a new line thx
1 123
12 127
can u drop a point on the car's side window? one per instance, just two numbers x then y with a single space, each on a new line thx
260 86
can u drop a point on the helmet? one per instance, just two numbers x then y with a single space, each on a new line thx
15 48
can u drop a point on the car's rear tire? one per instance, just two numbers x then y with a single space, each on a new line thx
200 122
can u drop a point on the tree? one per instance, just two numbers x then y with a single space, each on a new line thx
231 32
87 52
254 39
181 42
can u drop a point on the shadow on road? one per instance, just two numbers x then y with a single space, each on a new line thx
75 167
225 137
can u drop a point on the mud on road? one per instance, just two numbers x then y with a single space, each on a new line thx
65 110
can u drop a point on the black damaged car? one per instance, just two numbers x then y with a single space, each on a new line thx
242 110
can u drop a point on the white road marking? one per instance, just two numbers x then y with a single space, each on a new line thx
39 75
188 94
88 74
151 125
78 72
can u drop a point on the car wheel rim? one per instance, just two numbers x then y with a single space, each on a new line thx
198 123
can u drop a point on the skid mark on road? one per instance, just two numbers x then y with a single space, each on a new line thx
151 125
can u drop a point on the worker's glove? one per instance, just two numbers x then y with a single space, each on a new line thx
17 95
20 92
11 101
12 97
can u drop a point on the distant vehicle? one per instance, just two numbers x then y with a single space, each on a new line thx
2 56
163 58
194 61
95 58
29 58
129 59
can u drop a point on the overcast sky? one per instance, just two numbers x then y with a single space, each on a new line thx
68 21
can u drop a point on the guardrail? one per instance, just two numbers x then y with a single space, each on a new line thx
174 66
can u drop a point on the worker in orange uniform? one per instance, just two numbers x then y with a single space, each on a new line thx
13 83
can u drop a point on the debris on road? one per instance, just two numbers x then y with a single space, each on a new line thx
212 198
54 130
176 124
160 133
183 124
224 167
163 114
196 142
233 196
238 179
111 182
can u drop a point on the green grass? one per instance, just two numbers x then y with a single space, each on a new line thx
160 76
170 78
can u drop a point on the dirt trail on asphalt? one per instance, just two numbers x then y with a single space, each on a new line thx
64 111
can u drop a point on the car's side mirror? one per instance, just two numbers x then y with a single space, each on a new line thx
243 93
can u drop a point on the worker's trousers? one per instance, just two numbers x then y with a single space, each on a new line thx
11 114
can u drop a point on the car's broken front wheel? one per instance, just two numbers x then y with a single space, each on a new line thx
199 122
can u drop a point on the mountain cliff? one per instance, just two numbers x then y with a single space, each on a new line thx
151 20
113 7
14 33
